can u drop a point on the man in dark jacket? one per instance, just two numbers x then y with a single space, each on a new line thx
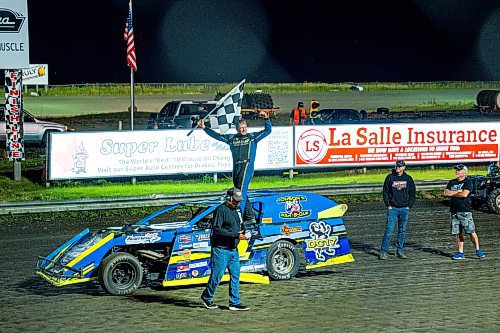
226 234
399 197
243 146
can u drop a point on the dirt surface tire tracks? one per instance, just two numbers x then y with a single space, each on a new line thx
426 292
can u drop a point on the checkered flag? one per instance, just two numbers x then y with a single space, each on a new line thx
228 108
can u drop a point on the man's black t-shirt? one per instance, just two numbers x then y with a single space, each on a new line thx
460 204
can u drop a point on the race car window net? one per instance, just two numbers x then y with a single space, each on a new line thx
178 214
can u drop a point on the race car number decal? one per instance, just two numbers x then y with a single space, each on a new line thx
322 243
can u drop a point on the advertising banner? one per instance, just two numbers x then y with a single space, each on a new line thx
156 152
14 115
356 145
14 41
36 74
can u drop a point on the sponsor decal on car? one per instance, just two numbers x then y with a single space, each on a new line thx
202 237
185 239
182 268
253 268
200 245
322 243
142 239
293 207
198 264
194 273
185 246
267 220
181 275
186 254
287 231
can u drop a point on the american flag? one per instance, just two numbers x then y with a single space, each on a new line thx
128 35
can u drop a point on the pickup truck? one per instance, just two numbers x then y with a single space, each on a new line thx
181 114
36 131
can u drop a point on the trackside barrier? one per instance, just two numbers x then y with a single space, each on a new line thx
15 208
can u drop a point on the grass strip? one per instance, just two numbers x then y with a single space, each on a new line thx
112 89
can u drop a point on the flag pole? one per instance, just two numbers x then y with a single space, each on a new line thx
132 101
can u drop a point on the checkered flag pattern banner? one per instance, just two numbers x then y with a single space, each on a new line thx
228 108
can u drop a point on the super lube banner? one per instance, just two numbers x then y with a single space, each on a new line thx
382 144
76 155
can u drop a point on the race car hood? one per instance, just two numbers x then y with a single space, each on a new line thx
76 260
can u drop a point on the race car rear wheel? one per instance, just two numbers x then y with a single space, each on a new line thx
282 260
120 274
494 201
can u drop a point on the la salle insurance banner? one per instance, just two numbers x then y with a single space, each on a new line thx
362 145
76 155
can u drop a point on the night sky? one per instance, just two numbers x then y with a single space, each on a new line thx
268 41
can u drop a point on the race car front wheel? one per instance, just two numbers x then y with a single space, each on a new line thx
120 274
282 260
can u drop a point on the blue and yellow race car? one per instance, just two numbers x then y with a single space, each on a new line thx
172 246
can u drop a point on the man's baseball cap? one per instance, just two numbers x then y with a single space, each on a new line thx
459 167
400 163
300 104
235 193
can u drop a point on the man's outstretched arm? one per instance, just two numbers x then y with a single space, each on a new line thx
267 127
213 134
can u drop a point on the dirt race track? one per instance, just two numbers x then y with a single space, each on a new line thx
425 293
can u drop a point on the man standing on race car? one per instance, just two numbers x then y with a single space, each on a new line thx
226 234
399 197
458 190
243 146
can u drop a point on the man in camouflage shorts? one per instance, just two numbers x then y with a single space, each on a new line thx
458 190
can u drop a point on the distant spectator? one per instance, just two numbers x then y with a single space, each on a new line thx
298 115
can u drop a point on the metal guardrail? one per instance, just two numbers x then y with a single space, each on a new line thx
27 207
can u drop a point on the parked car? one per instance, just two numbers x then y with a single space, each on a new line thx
337 116
181 114
486 192
36 131
172 246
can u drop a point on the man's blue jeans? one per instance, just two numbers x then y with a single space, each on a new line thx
395 216
222 259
